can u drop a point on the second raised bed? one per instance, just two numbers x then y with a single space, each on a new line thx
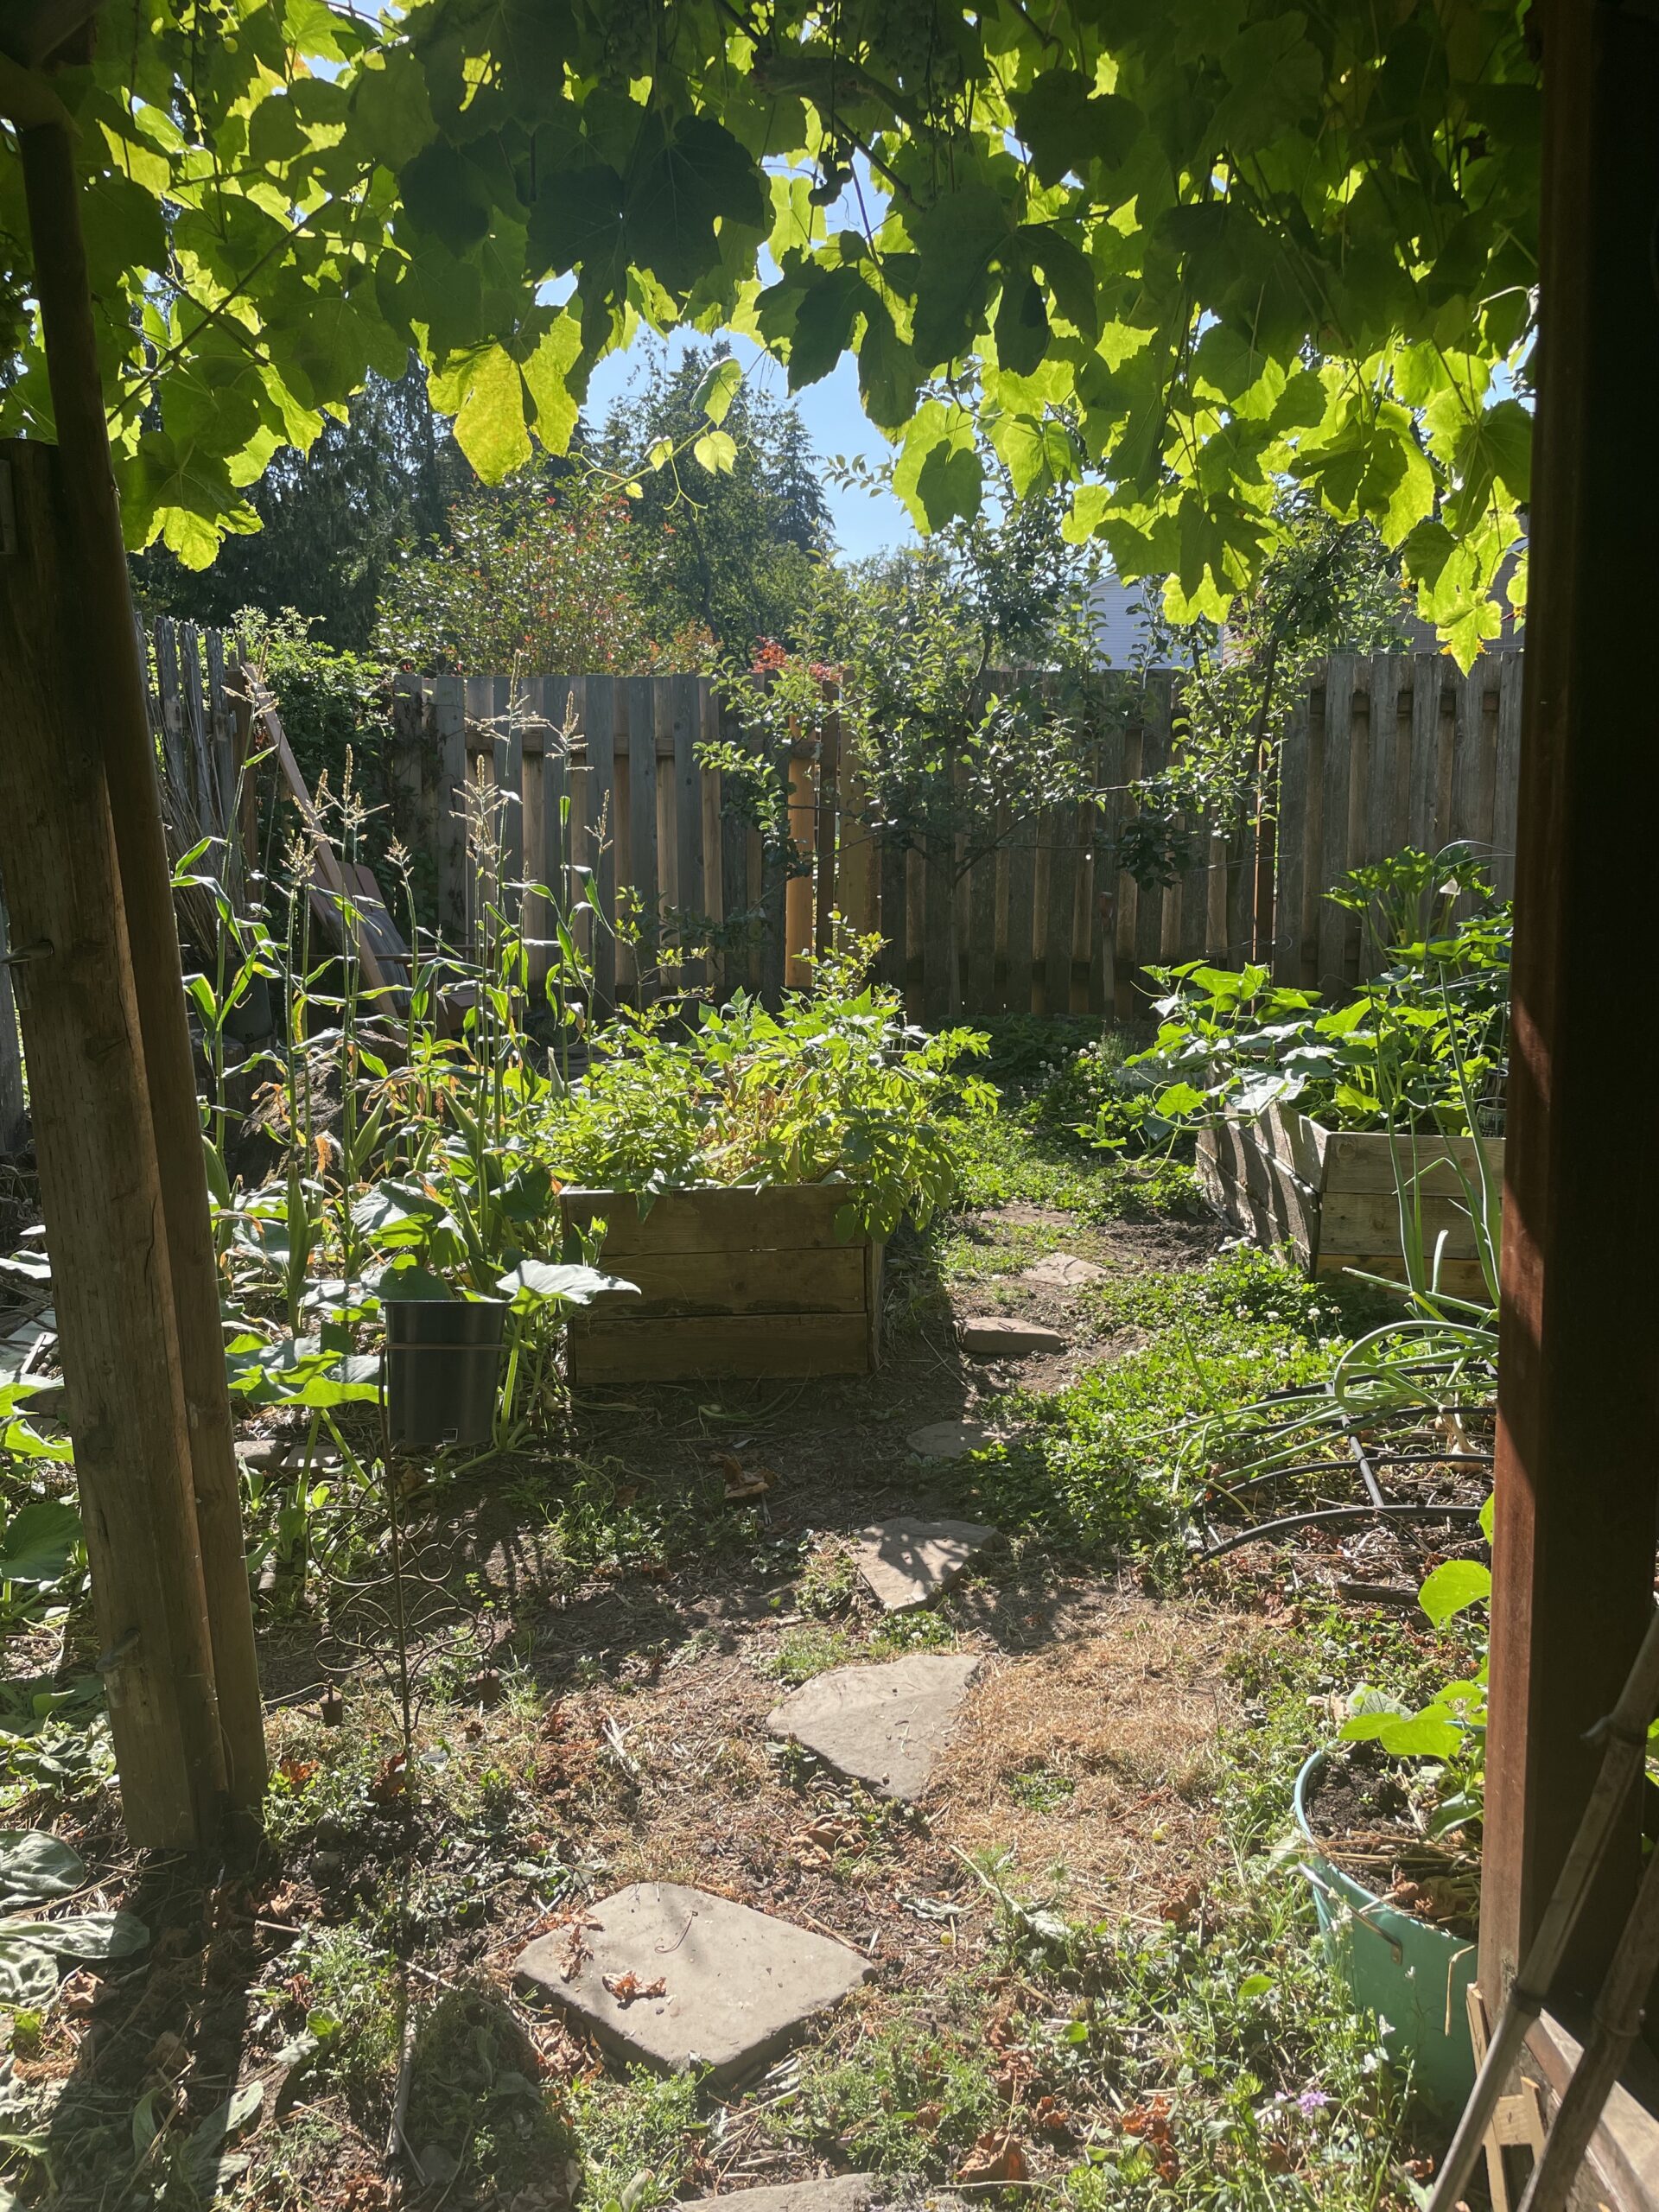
1332 1195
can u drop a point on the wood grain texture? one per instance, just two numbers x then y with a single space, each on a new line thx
1291 841
599 856
110 689
940 994
794 1216
813 1279
690 894
100 1187
449 720
1022 890
642 861
1333 924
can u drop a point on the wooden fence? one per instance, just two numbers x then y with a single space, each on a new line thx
1400 749
595 788
600 792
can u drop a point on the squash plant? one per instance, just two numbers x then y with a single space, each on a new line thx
1450 1730
1422 1047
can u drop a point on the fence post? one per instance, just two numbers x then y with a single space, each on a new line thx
828 810
107 1228
803 836
449 717
11 1053
406 780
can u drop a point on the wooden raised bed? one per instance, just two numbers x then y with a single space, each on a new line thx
745 1282
1330 1193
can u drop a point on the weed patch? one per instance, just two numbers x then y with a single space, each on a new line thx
1105 1465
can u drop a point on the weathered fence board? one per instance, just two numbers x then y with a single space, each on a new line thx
1394 750
606 811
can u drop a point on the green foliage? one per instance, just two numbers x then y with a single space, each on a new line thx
350 1992
1422 1047
632 2136
732 532
932 2055
833 1085
473 2084
332 520
536 582
950 741
1326 587
36 1870
335 707
803 1652
1450 1728
1186 260
1065 1088
1117 1462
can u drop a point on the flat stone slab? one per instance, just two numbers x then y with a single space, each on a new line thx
835 2193
882 1726
999 1336
949 1439
1065 1271
907 1562
671 1974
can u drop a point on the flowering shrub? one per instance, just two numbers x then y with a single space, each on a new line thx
536 580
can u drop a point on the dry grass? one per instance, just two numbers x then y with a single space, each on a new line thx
1098 1760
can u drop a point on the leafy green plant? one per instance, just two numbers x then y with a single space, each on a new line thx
834 1085
1450 1728
36 1870
1421 1048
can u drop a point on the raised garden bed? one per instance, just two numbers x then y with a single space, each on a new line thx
1331 1193
746 1283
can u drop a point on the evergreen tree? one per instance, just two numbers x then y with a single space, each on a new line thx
333 520
733 550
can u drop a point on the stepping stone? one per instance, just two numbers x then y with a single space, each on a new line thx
907 1562
1065 1271
835 2193
735 1985
999 1336
949 1439
882 1726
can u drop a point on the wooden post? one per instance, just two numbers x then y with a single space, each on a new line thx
408 745
100 1186
11 1056
798 897
1579 1387
829 808
858 891
109 690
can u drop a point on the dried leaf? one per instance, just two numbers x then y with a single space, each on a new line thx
994 2157
390 1785
625 1987
1178 1907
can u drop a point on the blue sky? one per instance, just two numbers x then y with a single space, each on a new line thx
836 422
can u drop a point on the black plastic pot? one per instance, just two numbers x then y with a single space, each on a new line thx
252 1020
444 1365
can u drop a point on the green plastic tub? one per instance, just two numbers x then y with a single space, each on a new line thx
1412 1976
